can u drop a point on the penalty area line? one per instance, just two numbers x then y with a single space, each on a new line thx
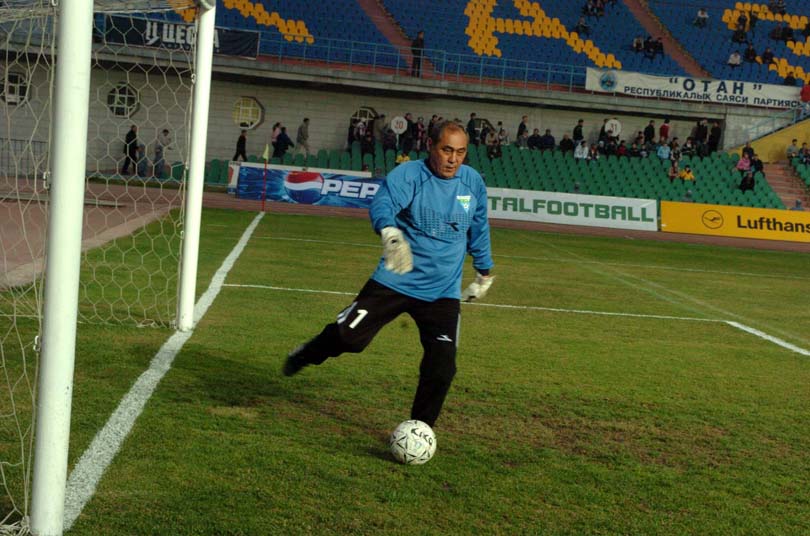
742 327
83 480
496 305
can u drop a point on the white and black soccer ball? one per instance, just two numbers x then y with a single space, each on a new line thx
412 442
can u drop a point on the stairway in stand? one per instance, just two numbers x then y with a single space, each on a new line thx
392 31
787 185
653 26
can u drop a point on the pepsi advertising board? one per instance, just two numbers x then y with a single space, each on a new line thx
310 187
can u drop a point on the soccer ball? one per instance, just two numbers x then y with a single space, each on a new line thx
412 443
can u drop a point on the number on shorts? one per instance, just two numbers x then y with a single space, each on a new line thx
361 314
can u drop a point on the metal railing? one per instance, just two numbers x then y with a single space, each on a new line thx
437 65
22 158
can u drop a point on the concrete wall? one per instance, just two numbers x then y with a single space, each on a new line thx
330 101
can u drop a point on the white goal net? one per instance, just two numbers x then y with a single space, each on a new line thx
137 155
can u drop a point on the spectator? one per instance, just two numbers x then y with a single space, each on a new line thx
367 143
701 133
380 127
566 144
638 44
743 165
649 47
767 56
688 197
621 150
130 151
752 22
359 130
402 157
283 142
663 151
776 32
747 182
578 136
787 33
757 165
793 149
748 150
804 95
350 138
742 21
143 161
739 36
663 131
581 151
778 6
471 130
734 60
750 54
686 174
534 139
593 153
522 141
276 132
302 137
674 172
503 136
649 132
797 205
714 137
241 147
164 141
491 142
702 18
484 132
804 154
634 151
806 30
547 141
417 47
675 150
523 126
582 27
389 141
659 46
603 134
407 140
421 134
790 80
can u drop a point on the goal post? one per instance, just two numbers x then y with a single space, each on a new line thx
69 206
64 239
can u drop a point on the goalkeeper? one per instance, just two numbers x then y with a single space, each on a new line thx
430 214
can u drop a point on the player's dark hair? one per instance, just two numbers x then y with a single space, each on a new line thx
439 128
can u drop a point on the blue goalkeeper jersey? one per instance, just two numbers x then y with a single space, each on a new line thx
442 220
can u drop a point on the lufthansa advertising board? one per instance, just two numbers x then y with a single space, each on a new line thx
573 209
744 222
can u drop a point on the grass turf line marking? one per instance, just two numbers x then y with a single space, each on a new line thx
769 338
670 295
94 461
502 306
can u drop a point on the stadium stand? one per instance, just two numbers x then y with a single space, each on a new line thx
717 182
523 31
713 45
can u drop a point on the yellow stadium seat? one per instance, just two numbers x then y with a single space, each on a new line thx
747 6
769 15
738 6
798 48
778 17
500 25
791 45
755 8
773 67
510 26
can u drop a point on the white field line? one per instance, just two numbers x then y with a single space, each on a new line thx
94 461
770 338
737 325
564 260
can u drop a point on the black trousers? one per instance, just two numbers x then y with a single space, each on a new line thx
376 306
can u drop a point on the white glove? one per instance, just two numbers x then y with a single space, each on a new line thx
478 288
396 251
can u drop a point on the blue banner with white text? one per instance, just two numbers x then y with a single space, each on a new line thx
307 187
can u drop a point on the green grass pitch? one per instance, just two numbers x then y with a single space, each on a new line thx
599 391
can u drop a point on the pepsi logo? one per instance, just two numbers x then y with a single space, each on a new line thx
303 187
